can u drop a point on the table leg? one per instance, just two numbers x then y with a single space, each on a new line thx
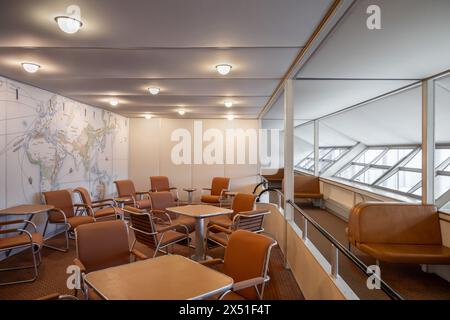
190 197
199 240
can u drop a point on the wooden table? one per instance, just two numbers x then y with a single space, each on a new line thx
200 212
170 277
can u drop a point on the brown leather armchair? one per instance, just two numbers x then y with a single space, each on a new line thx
219 186
307 187
100 209
163 200
244 217
22 239
161 184
102 245
64 214
398 232
246 260
125 188
149 233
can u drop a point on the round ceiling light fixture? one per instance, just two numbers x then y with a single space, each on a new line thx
68 24
154 90
223 69
181 112
228 103
114 102
30 67
148 116
230 117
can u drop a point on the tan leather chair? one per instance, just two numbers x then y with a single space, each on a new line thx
276 177
100 209
398 232
307 187
163 200
219 186
246 260
102 245
125 188
21 239
149 233
64 214
161 183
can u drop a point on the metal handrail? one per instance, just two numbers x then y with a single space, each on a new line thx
279 193
336 244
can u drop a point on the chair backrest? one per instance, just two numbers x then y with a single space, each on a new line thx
162 200
306 184
84 195
218 184
243 202
159 183
61 199
125 188
143 226
251 222
394 223
247 256
102 245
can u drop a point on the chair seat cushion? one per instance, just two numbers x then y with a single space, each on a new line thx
407 253
78 221
308 195
223 221
171 236
210 199
144 204
20 240
105 212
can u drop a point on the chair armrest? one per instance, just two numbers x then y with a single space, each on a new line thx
220 229
141 192
4 223
248 283
82 205
57 210
159 213
211 262
138 254
101 203
170 227
254 213
206 189
173 188
79 264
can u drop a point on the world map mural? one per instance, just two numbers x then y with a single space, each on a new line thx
50 142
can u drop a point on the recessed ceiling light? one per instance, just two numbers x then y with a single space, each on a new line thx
30 67
223 69
181 112
114 102
148 116
153 90
68 24
230 117
228 103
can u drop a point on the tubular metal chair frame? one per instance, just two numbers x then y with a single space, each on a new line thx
31 245
155 233
99 204
235 225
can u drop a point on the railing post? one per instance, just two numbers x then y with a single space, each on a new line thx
305 229
334 261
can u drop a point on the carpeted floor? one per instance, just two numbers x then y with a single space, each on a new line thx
52 274
407 280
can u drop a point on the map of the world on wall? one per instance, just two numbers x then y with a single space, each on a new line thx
49 142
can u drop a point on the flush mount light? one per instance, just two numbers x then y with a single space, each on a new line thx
30 67
181 112
228 103
68 24
148 116
114 102
223 69
230 117
153 90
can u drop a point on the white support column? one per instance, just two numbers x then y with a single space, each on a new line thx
428 141
288 147
316 148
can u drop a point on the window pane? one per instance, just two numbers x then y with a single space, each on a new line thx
323 152
370 175
415 162
349 172
369 155
335 154
441 155
393 156
418 192
402 181
442 184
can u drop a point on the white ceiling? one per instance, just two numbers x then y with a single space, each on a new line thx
126 46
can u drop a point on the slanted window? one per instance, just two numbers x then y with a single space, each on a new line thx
327 157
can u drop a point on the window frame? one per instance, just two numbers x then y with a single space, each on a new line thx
310 157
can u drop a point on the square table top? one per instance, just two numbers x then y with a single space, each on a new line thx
200 210
170 277
27 209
